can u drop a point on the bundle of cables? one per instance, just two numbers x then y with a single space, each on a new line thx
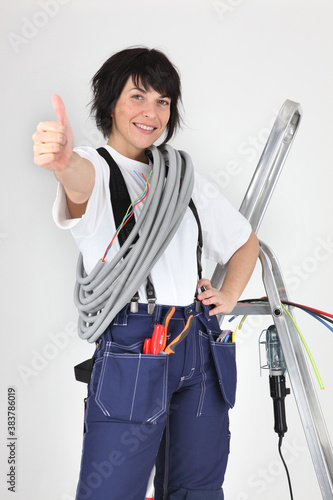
100 295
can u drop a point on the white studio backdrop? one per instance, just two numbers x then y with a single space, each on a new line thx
239 61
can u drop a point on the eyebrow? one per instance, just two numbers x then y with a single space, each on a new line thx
145 92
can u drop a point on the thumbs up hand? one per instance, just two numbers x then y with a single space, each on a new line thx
53 140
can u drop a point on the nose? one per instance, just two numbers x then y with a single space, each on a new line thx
149 110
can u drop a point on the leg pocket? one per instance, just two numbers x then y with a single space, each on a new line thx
132 386
224 355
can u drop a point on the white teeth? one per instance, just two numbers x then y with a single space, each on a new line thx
144 127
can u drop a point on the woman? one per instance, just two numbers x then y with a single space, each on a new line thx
181 421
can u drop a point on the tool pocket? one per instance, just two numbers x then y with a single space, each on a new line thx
132 386
224 355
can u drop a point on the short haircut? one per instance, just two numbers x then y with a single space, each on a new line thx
148 67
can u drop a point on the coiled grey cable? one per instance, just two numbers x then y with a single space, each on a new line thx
100 295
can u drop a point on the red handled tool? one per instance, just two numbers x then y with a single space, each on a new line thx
157 343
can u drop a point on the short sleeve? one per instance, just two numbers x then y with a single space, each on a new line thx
88 223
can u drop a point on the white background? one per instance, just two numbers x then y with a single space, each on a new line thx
239 61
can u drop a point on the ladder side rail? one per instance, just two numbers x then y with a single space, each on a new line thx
267 172
270 164
301 381
276 271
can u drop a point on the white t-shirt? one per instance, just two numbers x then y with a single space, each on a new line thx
175 274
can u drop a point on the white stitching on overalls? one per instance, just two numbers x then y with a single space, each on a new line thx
135 386
100 383
191 373
204 376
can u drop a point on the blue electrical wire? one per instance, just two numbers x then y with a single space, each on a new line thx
319 319
143 182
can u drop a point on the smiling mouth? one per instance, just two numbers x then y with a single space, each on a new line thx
145 127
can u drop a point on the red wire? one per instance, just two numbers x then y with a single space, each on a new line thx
294 304
311 309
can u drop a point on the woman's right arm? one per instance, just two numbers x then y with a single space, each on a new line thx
53 150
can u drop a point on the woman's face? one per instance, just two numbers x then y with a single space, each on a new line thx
139 118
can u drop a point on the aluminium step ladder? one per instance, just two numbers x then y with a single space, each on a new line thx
253 208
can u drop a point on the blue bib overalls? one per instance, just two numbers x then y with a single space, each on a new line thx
165 410
168 410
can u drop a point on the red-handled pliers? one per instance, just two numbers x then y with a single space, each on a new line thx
157 343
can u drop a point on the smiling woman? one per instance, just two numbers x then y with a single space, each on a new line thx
139 118
128 421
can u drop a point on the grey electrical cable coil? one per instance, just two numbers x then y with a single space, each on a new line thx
100 295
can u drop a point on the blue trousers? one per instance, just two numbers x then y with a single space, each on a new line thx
165 410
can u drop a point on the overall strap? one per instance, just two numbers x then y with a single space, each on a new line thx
120 198
200 239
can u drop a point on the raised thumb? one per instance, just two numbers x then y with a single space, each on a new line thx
59 109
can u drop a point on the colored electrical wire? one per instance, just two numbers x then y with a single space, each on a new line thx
317 312
305 347
130 211
242 321
320 319
238 327
126 218
321 316
233 335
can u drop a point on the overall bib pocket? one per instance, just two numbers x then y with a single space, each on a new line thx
132 386
224 355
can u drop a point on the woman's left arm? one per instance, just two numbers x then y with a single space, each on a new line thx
240 267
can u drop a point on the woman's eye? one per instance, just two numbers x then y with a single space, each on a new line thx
137 96
164 103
